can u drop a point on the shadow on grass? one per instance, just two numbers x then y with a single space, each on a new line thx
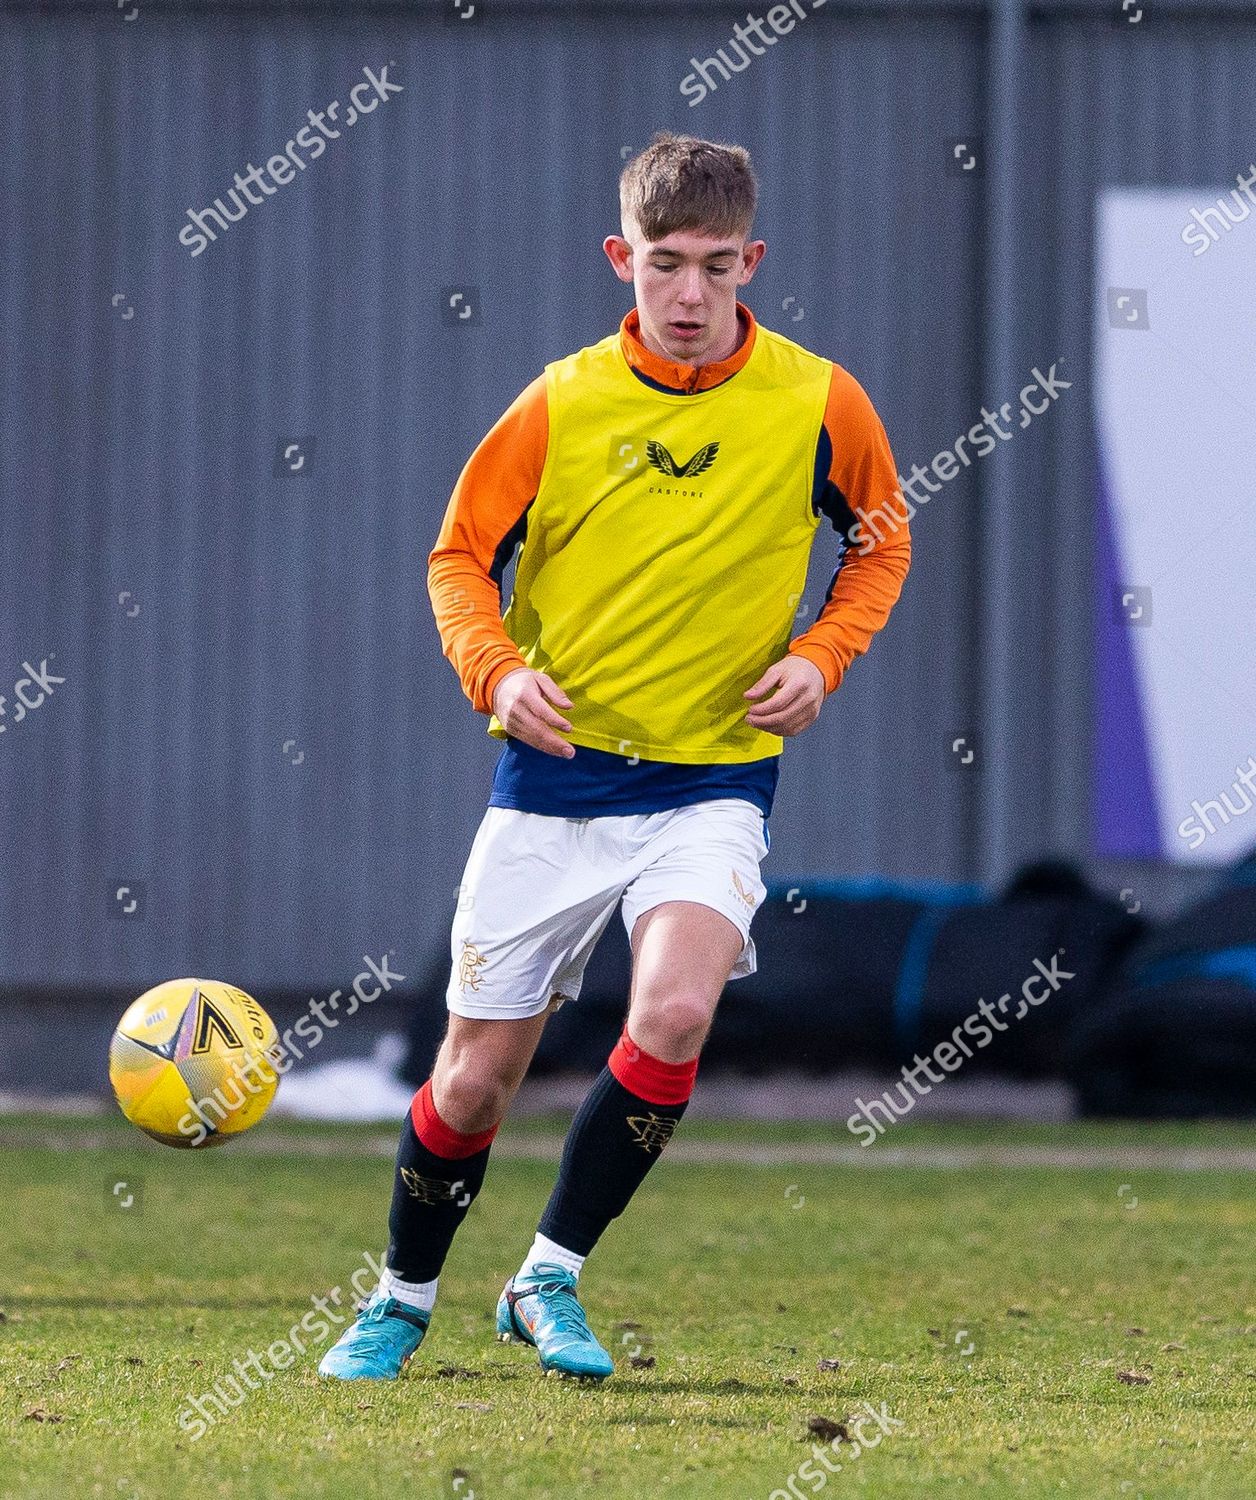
720 1388
621 1383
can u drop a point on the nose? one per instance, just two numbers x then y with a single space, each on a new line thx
690 294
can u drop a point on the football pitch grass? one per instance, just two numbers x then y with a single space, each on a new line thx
1026 1330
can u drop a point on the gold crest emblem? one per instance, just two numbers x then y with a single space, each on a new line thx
746 896
651 1132
430 1190
470 962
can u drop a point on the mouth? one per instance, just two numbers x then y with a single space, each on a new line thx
684 330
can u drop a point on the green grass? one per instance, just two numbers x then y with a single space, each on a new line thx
738 1287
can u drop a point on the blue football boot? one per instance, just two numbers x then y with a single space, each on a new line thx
380 1344
541 1309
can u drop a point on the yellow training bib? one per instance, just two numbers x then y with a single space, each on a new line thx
666 550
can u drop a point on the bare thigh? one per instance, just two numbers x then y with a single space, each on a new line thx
682 955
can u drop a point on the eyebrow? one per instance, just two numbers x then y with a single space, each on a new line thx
710 255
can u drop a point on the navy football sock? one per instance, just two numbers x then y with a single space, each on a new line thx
618 1133
438 1174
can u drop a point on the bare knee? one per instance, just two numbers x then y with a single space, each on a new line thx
671 1025
470 1093
479 1067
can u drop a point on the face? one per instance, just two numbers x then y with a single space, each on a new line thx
686 287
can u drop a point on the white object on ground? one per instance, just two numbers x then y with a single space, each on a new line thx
354 1089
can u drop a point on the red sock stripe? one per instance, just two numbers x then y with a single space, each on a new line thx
439 1138
650 1078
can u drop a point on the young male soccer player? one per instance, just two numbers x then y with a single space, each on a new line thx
666 485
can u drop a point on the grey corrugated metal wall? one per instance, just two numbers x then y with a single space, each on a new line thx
272 750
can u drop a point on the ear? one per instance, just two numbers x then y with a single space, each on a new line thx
619 253
750 257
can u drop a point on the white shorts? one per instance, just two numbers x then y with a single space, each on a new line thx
538 892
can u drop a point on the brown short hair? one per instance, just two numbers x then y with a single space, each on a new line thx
680 182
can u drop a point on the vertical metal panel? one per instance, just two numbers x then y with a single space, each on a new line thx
138 454
1003 509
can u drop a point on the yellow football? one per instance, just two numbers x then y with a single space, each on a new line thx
191 1062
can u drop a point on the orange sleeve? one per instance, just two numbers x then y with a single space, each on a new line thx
485 518
858 496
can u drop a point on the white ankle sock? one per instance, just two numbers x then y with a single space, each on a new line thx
420 1294
546 1252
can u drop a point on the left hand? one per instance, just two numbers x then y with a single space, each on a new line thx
796 694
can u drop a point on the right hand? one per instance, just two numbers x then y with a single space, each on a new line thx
522 702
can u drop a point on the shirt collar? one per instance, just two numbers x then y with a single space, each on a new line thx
688 379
